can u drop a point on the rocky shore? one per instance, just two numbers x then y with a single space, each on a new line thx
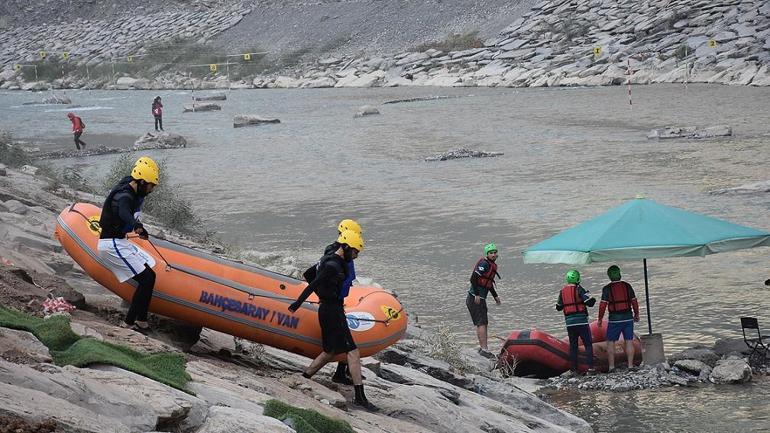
554 43
231 379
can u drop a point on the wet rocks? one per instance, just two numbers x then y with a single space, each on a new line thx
57 99
701 354
366 110
160 140
749 188
242 120
214 97
462 153
199 108
731 371
689 132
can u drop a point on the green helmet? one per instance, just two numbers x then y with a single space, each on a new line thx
488 248
614 273
572 277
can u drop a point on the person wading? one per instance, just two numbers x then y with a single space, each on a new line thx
157 113
78 126
119 217
335 334
619 298
482 283
573 300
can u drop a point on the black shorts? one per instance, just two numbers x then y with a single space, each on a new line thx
478 312
335 333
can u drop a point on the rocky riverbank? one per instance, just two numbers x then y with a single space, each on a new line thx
231 379
552 43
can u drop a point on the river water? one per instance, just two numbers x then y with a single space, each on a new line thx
569 155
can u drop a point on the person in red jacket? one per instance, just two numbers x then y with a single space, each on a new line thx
619 298
157 113
77 130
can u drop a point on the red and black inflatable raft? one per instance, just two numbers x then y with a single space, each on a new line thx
537 353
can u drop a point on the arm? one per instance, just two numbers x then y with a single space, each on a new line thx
589 301
324 274
634 303
559 303
494 295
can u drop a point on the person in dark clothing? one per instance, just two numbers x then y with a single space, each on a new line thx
332 271
483 283
77 130
573 301
119 216
342 373
157 113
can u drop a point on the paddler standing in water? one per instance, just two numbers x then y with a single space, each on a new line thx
573 302
619 298
335 334
483 283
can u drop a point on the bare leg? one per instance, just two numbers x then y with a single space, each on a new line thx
630 352
354 364
319 362
481 333
611 354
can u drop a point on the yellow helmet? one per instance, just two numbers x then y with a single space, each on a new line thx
348 224
146 169
352 239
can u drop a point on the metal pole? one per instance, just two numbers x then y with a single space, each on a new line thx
647 297
36 79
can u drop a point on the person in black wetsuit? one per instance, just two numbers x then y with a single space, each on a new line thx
328 283
119 216
342 373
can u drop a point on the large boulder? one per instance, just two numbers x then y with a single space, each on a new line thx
727 346
366 110
731 371
57 99
702 354
242 120
206 106
160 140
689 132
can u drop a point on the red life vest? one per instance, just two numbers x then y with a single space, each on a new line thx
620 297
571 300
487 279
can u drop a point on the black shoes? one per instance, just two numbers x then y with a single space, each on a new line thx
365 405
343 380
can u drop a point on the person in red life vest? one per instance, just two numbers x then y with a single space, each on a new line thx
619 298
157 113
77 130
482 283
574 301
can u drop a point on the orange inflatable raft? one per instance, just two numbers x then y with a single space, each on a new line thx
237 299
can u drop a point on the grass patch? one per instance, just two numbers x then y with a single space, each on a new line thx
68 348
442 345
10 155
306 420
454 42
165 202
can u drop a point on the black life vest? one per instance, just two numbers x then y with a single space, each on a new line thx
571 300
487 279
619 297
110 222
330 289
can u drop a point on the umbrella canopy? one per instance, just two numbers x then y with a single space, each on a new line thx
642 229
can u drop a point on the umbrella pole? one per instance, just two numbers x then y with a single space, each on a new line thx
647 297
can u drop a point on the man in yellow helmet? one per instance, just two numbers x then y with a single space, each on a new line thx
335 334
342 373
120 216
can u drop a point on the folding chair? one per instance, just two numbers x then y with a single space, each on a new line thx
759 349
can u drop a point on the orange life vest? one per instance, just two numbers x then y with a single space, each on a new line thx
571 300
620 297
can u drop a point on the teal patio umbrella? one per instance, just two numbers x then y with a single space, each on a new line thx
643 229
